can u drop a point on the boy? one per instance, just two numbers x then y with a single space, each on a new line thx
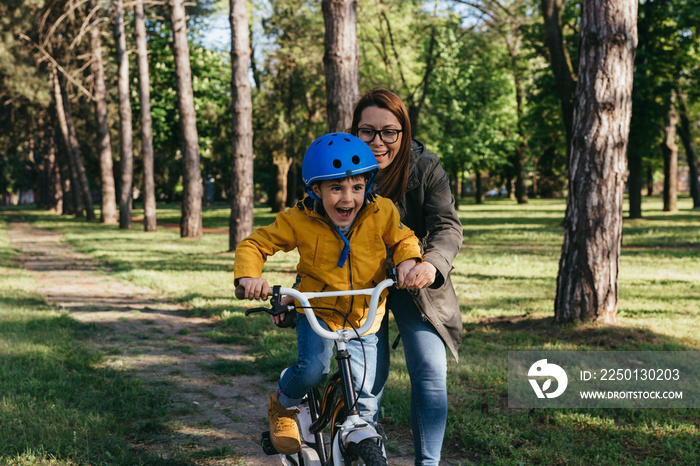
342 233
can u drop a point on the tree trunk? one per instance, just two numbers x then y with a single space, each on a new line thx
292 180
77 159
669 149
149 190
191 221
634 184
56 190
518 157
414 108
55 194
72 150
282 165
125 123
341 62
64 171
637 149
108 212
691 156
455 184
561 63
635 154
587 283
241 220
253 62
289 141
71 185
43 166
478 188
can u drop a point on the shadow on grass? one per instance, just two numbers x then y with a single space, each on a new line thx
585 336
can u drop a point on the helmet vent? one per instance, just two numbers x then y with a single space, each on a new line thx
355 159
330 143
337 163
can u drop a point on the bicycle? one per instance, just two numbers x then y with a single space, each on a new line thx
352 440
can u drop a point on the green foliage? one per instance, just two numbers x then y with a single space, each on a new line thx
393 39
473 115
21 82
24 92
289 95
447 60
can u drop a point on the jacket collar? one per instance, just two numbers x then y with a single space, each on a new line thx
417 149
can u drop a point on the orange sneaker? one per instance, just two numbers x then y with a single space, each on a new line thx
284 432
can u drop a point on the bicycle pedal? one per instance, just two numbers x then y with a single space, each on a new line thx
266 444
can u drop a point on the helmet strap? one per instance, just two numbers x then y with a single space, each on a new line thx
346 248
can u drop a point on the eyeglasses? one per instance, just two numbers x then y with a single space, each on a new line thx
388 136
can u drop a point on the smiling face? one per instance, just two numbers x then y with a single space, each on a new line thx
342 199
378 119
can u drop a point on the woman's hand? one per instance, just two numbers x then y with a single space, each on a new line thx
255 288
419 276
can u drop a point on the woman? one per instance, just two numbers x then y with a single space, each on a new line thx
426 308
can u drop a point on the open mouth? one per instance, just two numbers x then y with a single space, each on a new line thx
344 214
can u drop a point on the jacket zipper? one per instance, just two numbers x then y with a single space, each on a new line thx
352 298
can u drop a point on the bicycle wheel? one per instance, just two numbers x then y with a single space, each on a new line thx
368 452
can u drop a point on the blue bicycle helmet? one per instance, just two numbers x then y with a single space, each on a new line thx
337 155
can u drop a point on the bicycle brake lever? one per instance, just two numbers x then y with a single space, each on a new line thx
277 307
256 309
392 273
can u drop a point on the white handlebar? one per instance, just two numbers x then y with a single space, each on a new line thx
303 298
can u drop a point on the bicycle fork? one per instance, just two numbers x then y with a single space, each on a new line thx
353 429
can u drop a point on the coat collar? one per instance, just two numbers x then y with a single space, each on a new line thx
417 149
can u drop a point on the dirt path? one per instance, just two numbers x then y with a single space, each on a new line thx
160 343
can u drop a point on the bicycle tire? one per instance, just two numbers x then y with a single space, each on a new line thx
368 452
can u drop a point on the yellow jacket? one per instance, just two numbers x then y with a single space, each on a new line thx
376 228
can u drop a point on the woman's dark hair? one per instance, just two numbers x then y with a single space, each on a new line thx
394 178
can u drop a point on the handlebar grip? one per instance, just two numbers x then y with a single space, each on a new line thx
240 292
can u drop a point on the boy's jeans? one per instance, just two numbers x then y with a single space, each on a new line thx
314 363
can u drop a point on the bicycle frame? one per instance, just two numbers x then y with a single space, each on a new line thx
352 429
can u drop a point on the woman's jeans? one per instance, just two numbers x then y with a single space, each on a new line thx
314 363
426 360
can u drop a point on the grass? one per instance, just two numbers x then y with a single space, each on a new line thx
57 405
505 278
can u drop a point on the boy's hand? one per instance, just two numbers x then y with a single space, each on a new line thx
402 270
255 288
418 276
286 300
